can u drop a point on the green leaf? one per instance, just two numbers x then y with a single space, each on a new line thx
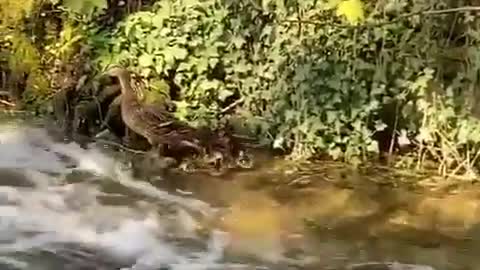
160 86
290 114
146 60
202 64
223 94
182 109
242 67
372 147
185 66
380 126
174 52
208 85
86 7
336 153
237 42
211 51
145 72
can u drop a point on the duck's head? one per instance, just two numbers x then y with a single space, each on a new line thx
118 71
123 76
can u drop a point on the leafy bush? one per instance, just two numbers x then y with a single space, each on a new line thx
341 77
307 80
36 35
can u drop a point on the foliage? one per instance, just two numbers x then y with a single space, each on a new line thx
87 8
337 77
32 43
186 37
22 54
447 134
311 76
351 9
12 11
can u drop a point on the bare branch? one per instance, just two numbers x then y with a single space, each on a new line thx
417 13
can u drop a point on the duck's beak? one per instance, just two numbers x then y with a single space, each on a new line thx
111 70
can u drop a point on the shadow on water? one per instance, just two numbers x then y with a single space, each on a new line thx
67 207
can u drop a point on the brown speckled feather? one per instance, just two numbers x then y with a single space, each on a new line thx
156 124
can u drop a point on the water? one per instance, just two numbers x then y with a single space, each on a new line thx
66 206
47 222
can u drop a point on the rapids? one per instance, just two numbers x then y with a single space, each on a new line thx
51 219
82 207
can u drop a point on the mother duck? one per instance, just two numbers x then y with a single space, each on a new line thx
157 125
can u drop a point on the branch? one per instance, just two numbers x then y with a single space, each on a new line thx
231 106
450 10
422 12
4 102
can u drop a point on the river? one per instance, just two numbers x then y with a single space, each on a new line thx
66 206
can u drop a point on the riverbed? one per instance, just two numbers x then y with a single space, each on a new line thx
70 206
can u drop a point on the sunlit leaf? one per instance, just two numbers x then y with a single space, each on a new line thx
146 60
181 109
208 85
403 139
202 64
175 52
372 147
380 126
336 153
86 7
352 10
278 143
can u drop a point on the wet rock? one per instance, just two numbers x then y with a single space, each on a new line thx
245 160
86 115
62 110
113 119
14 178
151 164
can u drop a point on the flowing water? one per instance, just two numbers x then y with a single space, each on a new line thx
66 206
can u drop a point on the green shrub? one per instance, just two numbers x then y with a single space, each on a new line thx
337 77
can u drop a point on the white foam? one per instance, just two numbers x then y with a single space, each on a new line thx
53 212
25 148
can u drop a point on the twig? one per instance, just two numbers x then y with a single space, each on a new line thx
459 166
427 12
395 125
4 102
229 107
450 10
422 12
453 150
474 160
299 180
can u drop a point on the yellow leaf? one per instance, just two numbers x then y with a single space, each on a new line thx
352 10
331 4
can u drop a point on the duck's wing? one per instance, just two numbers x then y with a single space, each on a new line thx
164 121
156 114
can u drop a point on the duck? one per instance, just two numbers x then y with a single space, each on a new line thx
159 126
